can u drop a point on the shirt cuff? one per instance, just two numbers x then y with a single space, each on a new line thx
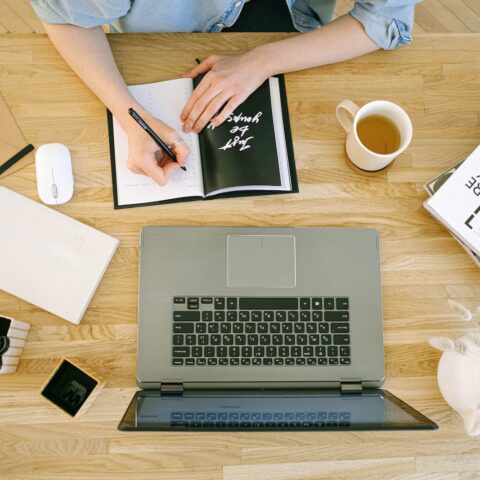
387 33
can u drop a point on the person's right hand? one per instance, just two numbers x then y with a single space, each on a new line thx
146 157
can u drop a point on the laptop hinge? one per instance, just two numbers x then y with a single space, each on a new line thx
351 387
171 388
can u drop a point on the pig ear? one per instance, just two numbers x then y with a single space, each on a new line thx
471 419
461 310
474 337
442 343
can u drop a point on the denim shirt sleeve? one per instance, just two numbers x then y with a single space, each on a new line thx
83 13
388 23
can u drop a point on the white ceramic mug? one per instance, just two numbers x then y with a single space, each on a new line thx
349 114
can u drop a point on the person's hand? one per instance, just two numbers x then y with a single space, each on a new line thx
146 157
229 81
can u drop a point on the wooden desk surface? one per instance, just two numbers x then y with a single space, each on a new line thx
437 81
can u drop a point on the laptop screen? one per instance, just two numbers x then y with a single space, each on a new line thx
241 410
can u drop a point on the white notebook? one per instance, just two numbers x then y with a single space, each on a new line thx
49 259
457 203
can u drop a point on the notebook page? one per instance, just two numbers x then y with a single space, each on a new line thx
164 100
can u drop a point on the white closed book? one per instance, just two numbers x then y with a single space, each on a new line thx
50 259
456 204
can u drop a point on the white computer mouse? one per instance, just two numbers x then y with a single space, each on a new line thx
54 173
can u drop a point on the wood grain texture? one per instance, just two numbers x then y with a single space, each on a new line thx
436 80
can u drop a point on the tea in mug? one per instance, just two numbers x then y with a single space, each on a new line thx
379 134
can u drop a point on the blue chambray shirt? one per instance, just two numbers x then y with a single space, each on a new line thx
388 23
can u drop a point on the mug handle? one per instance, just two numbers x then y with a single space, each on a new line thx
344 111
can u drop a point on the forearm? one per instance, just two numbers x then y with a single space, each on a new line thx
89 55
338 41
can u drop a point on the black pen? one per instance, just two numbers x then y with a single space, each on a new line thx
153 135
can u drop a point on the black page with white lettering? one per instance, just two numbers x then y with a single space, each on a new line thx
242 154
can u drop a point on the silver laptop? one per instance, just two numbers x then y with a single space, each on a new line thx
261 323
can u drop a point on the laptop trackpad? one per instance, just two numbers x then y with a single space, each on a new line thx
261 261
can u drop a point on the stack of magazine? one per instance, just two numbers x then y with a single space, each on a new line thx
455 202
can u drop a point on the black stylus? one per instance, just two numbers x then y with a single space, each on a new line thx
153 135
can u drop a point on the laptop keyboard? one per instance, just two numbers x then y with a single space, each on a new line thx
260 419
260 331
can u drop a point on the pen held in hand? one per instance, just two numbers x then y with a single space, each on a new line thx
153 135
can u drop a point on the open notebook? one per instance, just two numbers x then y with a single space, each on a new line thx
249 154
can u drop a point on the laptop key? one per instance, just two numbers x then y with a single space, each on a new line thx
323 328
333 361
278 361
209 351
317 316
178 300
262 328
234 351
178 340
311 361
275 328
341 339
231 316
264 339
231 303
223 361
190 340
289 361
234 361
222 351
252 339
277 339
219 303
289 339
284 351
201 361
219 316
201 328
240 339
256 316
212 361
206 300
274 303
332 351
311 328
178 361
192 303
322 361
317 303
215 339
340 327
299 328
250 327
329 303
226 327
344 351
271 351
207 316
341 303
305 316
287 328
280 316
189 361
326 339
296 351
246 351
320 351
302 339
227 339
304 304
202 339
181 351
188 316
259 351
183 327
337 316
213 328
245 361
237 327
256 361
307 351
268 316
344 361
267 361
197 351
292 316
244 316
314 339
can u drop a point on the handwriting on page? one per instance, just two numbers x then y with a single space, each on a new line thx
241 139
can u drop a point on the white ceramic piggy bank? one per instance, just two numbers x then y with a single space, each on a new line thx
459 373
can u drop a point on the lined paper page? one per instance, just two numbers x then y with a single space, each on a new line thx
164 100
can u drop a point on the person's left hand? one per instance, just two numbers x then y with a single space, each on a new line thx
229 81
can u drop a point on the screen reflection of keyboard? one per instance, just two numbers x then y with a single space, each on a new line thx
259 419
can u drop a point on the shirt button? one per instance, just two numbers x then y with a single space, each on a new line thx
238 4
219 25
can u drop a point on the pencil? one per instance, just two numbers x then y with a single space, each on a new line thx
153 135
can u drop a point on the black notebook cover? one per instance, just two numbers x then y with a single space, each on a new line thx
245 152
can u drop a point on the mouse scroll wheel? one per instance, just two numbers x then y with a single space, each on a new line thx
54 191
